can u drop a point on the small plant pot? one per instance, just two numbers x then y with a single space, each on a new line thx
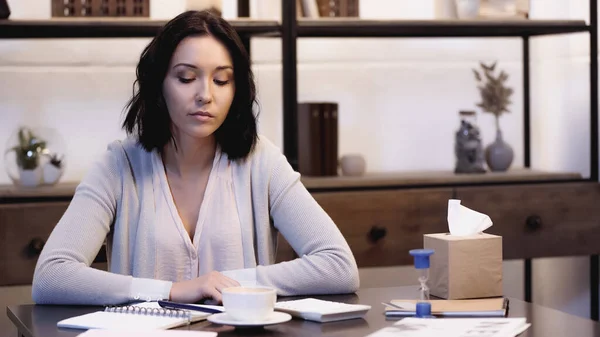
51 174
30 178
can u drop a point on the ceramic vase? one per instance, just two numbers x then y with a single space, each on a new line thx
499 154
353 165
51 174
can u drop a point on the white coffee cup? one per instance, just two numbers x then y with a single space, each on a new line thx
249 304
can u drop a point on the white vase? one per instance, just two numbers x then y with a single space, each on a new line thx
467 9
353 165
51 174
30 178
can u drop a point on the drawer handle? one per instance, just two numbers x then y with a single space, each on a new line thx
377 233
35 246
533 222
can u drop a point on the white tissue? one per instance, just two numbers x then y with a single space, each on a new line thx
463 221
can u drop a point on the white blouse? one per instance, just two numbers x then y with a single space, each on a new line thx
217 241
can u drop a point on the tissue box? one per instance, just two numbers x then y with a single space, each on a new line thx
465 266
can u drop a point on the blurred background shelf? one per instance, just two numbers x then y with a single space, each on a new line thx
408 179
60 192
348 27
339 27
112 28
434 179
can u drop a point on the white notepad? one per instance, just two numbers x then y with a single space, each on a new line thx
137 317
317 310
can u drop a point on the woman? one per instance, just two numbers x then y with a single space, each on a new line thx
192 201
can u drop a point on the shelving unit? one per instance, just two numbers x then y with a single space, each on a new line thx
390 190
113 28
327 28
395 180
342 27
292 29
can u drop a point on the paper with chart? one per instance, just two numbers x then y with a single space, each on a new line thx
454 327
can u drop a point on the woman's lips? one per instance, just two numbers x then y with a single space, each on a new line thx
202 116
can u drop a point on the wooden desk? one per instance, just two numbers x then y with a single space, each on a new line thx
38 321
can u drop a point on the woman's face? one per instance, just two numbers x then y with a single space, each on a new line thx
199 86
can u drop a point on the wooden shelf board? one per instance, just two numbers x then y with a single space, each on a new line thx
433 178
338 27
112 27
349 27
66 189
370 180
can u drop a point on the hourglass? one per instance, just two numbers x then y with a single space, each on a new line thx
421 262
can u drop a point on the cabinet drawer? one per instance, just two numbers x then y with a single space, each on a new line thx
540 220
382 226
24 228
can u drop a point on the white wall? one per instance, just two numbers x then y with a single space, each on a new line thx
398 98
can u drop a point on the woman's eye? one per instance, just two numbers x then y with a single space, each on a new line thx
219 82
185 80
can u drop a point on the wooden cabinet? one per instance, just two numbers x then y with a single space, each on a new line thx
24 228
534 220
540 220
382 226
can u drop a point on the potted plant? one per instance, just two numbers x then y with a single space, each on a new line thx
495 99
28 152
53 169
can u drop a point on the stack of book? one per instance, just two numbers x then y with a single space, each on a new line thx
327 8
317 138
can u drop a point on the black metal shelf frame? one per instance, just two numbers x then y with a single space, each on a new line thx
292 28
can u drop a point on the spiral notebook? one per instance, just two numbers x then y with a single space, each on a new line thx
136 317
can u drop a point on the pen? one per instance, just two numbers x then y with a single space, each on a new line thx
175 305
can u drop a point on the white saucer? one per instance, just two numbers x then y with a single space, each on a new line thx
275 318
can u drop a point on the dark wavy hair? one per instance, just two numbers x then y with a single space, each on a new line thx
147 115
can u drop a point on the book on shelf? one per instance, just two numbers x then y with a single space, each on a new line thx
314 9
317 132
309 139
329 133
310 9
338 8
481 307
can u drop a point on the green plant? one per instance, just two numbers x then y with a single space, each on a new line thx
495 95
29 149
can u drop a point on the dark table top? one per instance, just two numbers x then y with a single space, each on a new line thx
40 320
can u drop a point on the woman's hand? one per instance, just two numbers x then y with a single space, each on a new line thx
208 285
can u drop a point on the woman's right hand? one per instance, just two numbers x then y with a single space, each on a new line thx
206 286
